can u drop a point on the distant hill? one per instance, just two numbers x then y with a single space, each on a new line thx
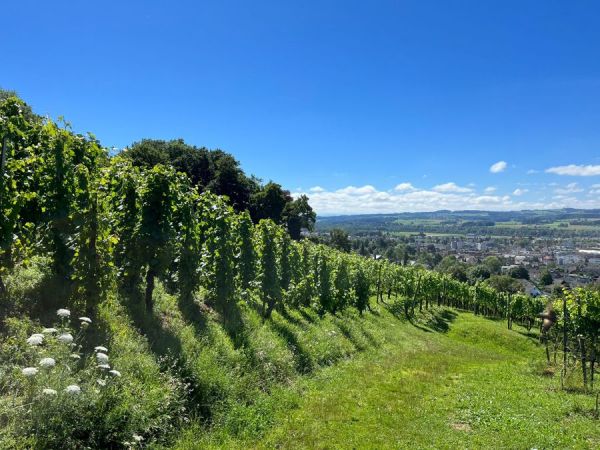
555 223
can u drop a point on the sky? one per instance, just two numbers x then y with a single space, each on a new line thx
367 107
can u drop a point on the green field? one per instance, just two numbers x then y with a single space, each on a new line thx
453 381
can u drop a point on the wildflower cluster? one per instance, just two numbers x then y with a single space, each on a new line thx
56 385
57 364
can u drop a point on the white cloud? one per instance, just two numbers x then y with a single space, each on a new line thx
353 190
570 188
498 167
404 187
489 189
316 189
369 200
575 170
451 187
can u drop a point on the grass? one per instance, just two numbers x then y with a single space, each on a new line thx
469 384
197 378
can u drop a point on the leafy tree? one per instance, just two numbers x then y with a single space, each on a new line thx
338 239
269 202
504 283
546 278
229 180
494 264
519 273
478 273
298 214
148 153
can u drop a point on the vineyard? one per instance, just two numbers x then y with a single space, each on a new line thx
175 308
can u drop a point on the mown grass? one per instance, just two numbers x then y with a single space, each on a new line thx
476 385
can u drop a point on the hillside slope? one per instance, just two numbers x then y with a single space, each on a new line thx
454 380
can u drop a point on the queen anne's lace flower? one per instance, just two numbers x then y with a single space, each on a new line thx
75 356
73 389
103 366
101 349
47 362
115 373
85 319
101 382
67 338
102 358
49 391
63 313
35 339
49 330
29 371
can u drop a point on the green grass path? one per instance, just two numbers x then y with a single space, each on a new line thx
476 386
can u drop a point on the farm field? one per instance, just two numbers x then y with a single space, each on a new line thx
453 380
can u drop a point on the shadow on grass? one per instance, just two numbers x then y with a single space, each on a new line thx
348 334
436 320
530 334
306 316
440 320
167 345
304 363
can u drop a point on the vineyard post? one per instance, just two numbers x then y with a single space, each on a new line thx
565 342
2 163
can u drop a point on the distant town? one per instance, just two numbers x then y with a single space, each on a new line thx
561 245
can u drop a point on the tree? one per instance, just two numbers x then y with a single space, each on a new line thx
148 153
519 272
299 214
269 202
546 278
504 283
478 273
493 264
229 180
338 239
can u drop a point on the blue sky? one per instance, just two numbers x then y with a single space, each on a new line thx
367 106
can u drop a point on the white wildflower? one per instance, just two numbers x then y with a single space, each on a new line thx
138 438
102 358
47 362
73 389
49 330
67 338
29 371
101 349
85 319
115 373
35 339
49 391
101 382
103 366
75 356
63 313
